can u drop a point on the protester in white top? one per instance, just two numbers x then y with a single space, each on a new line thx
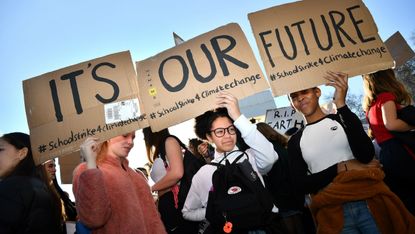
219 128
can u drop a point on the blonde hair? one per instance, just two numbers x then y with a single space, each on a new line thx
102 153
380 82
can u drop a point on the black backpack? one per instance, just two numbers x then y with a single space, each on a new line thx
191 164
238 197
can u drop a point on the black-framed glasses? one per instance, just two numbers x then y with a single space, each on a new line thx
220 132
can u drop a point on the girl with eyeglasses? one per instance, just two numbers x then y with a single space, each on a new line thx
220 127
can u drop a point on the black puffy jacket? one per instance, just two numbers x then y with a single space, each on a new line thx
26 206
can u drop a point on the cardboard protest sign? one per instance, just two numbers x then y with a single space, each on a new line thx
399 49
182 82
298 42
67 165
284 118
95 98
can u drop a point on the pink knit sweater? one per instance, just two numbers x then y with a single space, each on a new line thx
113 200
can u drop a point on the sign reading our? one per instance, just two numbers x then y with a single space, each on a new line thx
284 118
95 98
298 42
399 49
182 82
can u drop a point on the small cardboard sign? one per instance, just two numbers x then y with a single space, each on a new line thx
399 49
67 165
284 118
299 42
66 106
182 82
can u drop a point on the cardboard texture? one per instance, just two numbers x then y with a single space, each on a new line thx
66 106
67 165
298 42
182 82
284 118
399 49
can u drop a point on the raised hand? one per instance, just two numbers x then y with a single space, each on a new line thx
230 102
203 149
338 80
89 151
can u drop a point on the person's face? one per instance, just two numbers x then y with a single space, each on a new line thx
223 126
51 168
120 146
306 101
9 157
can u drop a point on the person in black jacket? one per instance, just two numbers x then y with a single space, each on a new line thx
279 184
27 206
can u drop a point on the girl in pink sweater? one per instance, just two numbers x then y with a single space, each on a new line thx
110 196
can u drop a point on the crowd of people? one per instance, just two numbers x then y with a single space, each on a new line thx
322 178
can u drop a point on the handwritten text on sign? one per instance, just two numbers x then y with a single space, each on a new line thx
181 83
300 41
66 106
284 118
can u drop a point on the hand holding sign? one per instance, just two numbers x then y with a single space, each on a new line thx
95 98
298 42
89 151
182 82
339 81
230 102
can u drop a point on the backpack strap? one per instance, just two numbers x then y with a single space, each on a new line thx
240 156
225 155
215 164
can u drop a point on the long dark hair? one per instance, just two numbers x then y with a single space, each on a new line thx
153 139
20 140
43 175
27 167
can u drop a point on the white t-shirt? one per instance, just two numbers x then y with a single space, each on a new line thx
158 170
322 139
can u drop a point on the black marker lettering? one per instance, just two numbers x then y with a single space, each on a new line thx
106 80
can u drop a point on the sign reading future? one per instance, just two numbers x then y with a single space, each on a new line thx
300 41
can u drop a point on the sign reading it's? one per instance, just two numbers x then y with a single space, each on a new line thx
181 83
97 98
298 42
